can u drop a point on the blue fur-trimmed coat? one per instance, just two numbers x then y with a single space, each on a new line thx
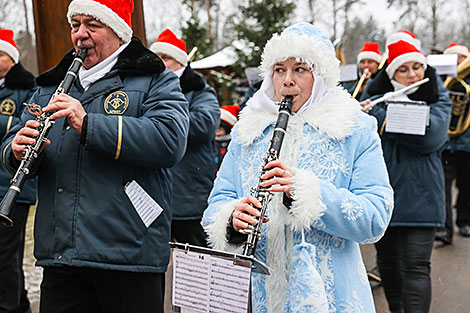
342 197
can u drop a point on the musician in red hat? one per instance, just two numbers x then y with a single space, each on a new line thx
416 175
16 87
102 226
198 164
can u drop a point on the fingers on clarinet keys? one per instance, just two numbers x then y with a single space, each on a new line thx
246 231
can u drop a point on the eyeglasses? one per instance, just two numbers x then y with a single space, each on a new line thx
405 70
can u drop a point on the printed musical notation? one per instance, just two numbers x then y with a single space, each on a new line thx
206 283
143 203
407 118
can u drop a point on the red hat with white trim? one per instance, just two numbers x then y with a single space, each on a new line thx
455 48
229 114
401 52
116 14
370 51
167 43
405 36
8 45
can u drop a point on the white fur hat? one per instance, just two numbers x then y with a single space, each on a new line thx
306 43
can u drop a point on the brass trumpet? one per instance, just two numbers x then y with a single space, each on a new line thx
459 92
360 83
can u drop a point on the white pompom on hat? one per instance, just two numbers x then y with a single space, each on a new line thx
8 45
305 43
455 48
167 43
116 14
401 52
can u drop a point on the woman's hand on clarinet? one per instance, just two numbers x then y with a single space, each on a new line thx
25 137
278 178
67 106
244 214
365 105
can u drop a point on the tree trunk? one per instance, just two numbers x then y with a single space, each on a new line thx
209 21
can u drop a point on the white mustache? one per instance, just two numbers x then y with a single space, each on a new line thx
84 44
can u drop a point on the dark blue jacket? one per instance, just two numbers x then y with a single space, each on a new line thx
84 217
193 177
18 88
414 162
461 142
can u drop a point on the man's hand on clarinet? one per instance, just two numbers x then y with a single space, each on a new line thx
25 137
67 106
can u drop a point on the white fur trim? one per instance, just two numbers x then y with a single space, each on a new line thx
227 117
458 49
170 50
10 49
322 60
217 230
306 205
102 13
369 55
335 117
400 60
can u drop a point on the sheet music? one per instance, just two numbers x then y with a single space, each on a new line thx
191 280
205 283
407 118
145 206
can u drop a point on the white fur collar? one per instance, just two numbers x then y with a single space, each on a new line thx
336 118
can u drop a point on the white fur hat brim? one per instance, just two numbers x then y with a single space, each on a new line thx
9 49
103 14
170 50
369 55
402 59
316 54
458 49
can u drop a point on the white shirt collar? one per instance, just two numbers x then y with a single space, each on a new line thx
88 77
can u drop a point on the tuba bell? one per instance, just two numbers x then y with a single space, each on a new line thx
459 92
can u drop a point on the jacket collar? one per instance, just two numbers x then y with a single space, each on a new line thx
19 78
191 81
427 92
336 118
134 60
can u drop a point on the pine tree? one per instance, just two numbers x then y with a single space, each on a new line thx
194 32
255 24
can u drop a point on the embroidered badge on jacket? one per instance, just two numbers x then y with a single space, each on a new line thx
7 107
116 103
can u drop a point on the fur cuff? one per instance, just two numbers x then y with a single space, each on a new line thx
306 206
217 229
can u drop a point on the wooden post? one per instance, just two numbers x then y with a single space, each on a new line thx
53 30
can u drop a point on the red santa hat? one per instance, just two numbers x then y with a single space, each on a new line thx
116 14
229 114
401 52
167 43
405 36
8 45
455 48
370 51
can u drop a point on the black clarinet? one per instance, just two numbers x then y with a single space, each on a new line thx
263 195
32 151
